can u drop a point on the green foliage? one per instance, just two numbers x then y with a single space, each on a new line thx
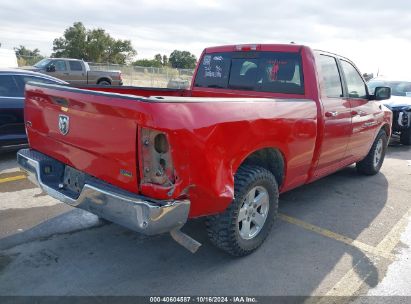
73 44
148 63
158 58
92 45
26 56
177 59
182 60
158 61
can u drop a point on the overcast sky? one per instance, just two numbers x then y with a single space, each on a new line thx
375 34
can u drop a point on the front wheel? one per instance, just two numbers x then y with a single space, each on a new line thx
372 163
245 224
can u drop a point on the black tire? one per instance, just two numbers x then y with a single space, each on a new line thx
223 229
369 165
104 82
405 137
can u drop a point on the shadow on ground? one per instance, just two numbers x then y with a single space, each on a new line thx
397 150
7 161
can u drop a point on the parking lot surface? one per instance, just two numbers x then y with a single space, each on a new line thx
345 234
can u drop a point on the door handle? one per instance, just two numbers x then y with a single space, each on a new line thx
66 74
331 114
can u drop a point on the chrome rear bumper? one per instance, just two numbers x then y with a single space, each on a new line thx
107 201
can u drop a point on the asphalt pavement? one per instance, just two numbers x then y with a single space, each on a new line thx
344 235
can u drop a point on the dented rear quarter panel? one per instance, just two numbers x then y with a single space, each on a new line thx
210 140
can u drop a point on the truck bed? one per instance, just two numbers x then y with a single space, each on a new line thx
137 91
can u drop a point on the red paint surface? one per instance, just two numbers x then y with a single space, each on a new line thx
209 139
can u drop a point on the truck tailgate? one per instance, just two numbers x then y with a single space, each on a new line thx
83 130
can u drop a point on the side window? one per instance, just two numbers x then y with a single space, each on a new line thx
330 76
26 79
355 84
9 87
75 66
60 65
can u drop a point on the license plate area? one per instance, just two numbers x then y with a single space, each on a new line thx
73 179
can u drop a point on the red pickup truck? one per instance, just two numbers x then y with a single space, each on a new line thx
257 121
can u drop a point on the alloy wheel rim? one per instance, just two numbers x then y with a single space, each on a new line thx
378 153
253 213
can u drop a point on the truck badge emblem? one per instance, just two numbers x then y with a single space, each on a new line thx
63 124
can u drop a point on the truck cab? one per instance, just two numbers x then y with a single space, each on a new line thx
76 72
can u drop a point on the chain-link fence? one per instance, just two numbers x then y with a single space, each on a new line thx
149 76
164 77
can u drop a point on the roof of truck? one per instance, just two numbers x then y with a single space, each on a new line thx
291 47
70 59
255 47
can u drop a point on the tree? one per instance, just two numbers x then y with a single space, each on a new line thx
182 60
73 43
92 45
121 51
23 51
368 76
26 56
165 60
159 58
158 61
148 63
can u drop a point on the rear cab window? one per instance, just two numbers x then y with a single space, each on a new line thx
275 72
75 65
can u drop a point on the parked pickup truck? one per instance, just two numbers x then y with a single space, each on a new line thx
258 120
76 72
399 104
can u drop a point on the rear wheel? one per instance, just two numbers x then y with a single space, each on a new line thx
405 137
245 224
372 163
104 82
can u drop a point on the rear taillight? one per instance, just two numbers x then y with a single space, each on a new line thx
156 162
